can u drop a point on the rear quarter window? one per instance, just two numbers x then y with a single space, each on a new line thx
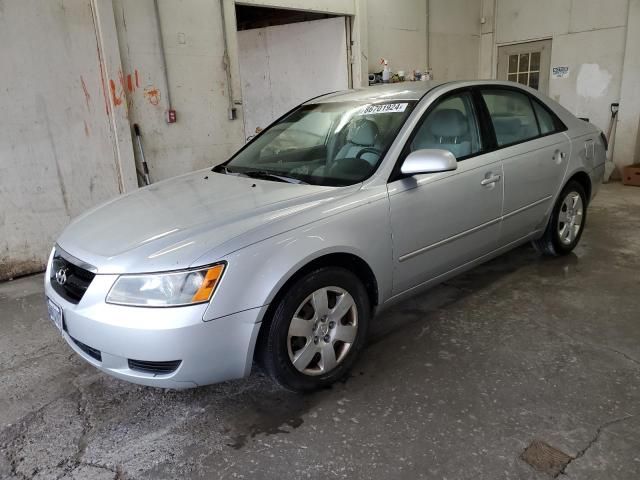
545 119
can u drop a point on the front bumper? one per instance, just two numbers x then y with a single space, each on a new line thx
209 352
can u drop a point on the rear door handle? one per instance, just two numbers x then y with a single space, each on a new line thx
490 180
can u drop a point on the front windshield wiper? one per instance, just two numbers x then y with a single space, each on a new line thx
263 174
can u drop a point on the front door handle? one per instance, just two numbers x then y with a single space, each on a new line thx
490 180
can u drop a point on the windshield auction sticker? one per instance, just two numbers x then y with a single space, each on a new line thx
385 108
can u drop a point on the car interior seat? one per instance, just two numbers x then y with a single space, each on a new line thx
508 129
445 129
360 136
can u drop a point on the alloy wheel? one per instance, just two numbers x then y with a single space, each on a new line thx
570 218
322 331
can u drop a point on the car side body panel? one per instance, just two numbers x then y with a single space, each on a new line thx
533 173
256 273
435 228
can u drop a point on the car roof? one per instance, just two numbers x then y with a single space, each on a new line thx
405 91
387 91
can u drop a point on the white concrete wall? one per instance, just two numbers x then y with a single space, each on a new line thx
588 36
486 54
443 35
454 38
57 143
397 31
192 33
193 40
627 140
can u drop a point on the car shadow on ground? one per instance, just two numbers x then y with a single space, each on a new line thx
422 306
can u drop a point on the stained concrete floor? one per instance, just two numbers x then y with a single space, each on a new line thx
454 384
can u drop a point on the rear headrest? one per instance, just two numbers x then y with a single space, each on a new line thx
363 133
507 126
448 122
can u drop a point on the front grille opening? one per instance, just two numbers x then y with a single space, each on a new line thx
92 352
156 368
69 280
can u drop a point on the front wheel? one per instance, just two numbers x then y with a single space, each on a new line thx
317 330
567 222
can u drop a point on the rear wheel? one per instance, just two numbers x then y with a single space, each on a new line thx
567 222
317 330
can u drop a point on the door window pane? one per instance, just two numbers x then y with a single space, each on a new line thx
512 116
524 68
535 62
547 125
513 64
524 62
452 126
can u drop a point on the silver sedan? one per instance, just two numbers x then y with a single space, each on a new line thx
345 205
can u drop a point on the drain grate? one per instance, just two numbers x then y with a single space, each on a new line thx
546 459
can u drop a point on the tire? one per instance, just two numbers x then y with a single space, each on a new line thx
561 237
304 363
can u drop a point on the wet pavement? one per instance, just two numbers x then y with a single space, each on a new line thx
455 384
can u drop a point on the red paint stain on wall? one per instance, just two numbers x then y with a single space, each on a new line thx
124 84
117 99
152 94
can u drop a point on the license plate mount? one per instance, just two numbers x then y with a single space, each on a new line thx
55 314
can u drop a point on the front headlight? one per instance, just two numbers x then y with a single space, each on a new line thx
167 289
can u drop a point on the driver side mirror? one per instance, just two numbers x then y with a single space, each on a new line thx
429 160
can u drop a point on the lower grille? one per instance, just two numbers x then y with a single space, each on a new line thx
69 280
92 352
157 368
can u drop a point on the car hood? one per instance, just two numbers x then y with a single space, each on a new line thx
169 225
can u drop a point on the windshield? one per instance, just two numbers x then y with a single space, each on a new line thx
333 144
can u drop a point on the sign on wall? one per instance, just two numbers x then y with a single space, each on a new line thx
560 72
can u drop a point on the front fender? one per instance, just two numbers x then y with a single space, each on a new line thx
256 273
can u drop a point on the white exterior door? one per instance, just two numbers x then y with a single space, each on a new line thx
284 65
526 63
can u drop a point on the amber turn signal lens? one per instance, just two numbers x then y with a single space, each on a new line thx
208 284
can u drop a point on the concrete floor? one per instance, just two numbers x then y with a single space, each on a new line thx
455 384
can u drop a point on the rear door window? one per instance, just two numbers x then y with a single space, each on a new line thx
512 116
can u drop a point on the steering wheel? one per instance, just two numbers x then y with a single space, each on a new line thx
362 151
